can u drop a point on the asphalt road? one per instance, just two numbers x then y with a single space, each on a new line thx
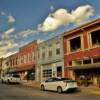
19 92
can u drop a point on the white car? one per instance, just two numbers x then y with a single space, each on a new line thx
59 84
10 78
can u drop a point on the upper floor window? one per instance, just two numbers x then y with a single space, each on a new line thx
58 51
38 55
16 61
22 59
95 38
75 44
30 57
58 48
43 55
50 53
33 56
50 47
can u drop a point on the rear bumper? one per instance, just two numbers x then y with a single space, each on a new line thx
70 88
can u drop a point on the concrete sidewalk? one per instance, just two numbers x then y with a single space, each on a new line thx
31 84
89 89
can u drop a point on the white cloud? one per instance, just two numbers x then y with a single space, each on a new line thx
62 17
6 34
6 45
82 13
11 19
10 30
27 32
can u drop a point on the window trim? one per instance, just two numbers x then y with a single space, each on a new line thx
90 38
68 43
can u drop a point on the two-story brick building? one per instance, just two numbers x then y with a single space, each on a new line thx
82 51
50 59
14 63
26 60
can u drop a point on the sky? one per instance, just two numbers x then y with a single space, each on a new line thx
23 21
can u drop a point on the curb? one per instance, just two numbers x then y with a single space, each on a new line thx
30 85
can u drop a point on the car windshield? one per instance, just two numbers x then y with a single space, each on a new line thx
66 79
62 79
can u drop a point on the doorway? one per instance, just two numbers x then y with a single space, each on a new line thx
59 71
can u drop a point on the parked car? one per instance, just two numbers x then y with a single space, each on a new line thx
10 78
59 84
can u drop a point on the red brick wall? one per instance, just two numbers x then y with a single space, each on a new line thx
87 51
13 60
25 50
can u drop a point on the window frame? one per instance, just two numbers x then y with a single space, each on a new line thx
72 37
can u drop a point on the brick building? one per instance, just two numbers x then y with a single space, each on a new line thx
82 51
14 62
26 60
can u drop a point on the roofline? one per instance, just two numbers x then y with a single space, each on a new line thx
82 27
34 41
46 41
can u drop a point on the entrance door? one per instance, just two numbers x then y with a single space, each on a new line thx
59 71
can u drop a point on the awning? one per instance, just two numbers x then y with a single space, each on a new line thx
20 69
85 67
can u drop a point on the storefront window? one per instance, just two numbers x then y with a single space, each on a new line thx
87 61
76 63
47 73
96 60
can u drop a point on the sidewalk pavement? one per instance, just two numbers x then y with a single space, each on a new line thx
89 89
31 84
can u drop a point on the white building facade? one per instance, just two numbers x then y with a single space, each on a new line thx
49 59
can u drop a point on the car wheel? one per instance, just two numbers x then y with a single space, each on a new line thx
59 89
42 88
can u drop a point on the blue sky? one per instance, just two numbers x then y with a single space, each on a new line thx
22 21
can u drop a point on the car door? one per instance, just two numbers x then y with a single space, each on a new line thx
49 84
54 84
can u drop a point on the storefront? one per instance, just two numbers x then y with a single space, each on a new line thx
26 73
91 73
52 70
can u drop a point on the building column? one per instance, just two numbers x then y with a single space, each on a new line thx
38 73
